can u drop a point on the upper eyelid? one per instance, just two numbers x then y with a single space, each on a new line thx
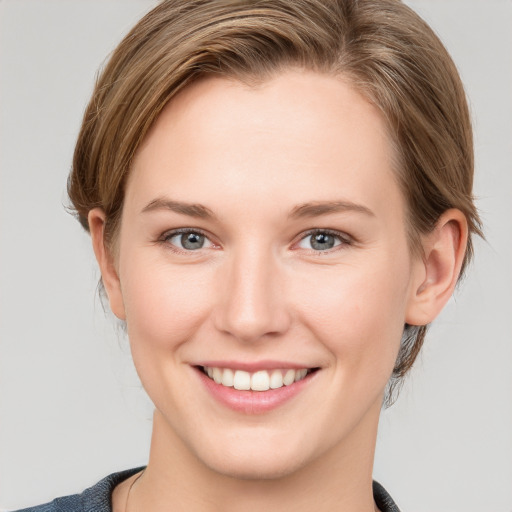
345 238
178 231
342 235
301 235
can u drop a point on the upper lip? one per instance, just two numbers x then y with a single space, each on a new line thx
254 366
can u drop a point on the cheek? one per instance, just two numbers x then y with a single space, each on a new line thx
359 312
164 304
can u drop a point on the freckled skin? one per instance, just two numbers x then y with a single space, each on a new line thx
257 289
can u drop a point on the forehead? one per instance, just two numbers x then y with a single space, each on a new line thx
298 135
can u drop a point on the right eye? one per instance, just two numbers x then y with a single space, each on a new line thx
186 240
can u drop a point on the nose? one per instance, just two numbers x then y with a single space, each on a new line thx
252 305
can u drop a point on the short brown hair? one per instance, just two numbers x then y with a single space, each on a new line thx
384 49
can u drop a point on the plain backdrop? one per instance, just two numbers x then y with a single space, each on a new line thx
71 407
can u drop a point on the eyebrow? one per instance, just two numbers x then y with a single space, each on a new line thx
312 209
191 209
318 208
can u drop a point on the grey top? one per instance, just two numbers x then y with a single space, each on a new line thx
98 497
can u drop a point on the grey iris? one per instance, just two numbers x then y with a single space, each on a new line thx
192 240
322 241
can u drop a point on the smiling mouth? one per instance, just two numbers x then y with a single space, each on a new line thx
261 380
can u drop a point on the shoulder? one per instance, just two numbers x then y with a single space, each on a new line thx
66 503
94 499
383 500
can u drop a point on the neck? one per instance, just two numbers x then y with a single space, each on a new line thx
338 480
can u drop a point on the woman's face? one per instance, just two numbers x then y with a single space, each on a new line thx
263 231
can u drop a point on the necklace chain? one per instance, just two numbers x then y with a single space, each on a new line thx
142 472
130 490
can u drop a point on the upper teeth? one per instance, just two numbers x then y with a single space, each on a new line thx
261 380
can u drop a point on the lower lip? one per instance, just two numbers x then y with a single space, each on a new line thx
253 402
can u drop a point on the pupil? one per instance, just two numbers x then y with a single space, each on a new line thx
322 241
192 240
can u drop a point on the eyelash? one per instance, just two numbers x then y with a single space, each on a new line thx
343 238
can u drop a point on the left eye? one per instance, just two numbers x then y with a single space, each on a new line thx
321 241
188 240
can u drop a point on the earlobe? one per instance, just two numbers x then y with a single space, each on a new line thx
109 274
436 275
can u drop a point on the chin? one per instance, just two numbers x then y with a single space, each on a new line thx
256 459
255 467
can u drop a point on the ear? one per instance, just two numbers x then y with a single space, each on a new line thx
435 276
109 274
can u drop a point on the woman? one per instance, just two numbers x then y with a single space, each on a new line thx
279 199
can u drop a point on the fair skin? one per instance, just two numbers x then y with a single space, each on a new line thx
251 288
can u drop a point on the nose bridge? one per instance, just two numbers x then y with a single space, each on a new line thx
252 303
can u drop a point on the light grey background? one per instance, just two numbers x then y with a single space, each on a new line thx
71 407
